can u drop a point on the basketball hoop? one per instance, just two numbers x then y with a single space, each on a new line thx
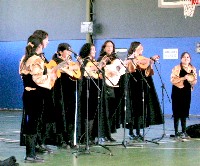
189 7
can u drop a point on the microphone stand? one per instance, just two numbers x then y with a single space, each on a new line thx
163 107
76 110
101 71
87 148
143 107
143 104
124 142
98 119
143 101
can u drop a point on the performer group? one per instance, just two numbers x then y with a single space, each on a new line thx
67 103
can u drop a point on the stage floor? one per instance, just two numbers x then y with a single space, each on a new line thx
165 152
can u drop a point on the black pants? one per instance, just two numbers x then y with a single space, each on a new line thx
30 145
176 124
137 123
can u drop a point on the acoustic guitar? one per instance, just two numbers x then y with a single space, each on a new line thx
93 67
113 72
53 65
73 69
91 70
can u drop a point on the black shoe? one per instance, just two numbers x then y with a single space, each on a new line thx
178 134
40 149
111 139
71 144
48 149
45 149
62 146
74 147
184 136
91 142
106 139
34 159
100 141
131 136
140 137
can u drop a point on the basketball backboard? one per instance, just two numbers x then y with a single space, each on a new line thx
172 3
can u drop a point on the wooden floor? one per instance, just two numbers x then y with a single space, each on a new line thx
161 152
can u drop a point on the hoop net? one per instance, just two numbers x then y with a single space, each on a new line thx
189 7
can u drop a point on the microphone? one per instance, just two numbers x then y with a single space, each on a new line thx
155 60
78 58
75 54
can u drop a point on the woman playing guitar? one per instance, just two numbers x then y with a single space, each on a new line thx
88 94
64 96
109 113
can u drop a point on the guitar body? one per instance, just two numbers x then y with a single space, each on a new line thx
143 62
111 75
113 72
93 67
52 64
91 70
74 71
191 77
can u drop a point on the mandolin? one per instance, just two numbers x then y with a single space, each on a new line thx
191 76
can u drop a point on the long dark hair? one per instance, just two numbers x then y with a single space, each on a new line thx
41 33
85 50
61 47
33 43
133 47
102 52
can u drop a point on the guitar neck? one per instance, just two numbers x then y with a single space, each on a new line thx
60 65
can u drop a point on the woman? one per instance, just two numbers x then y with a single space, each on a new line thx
88 94
109 112
183 79
48 125
142 105
64 94
36 79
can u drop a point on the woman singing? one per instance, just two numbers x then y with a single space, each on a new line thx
64 95
88 94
